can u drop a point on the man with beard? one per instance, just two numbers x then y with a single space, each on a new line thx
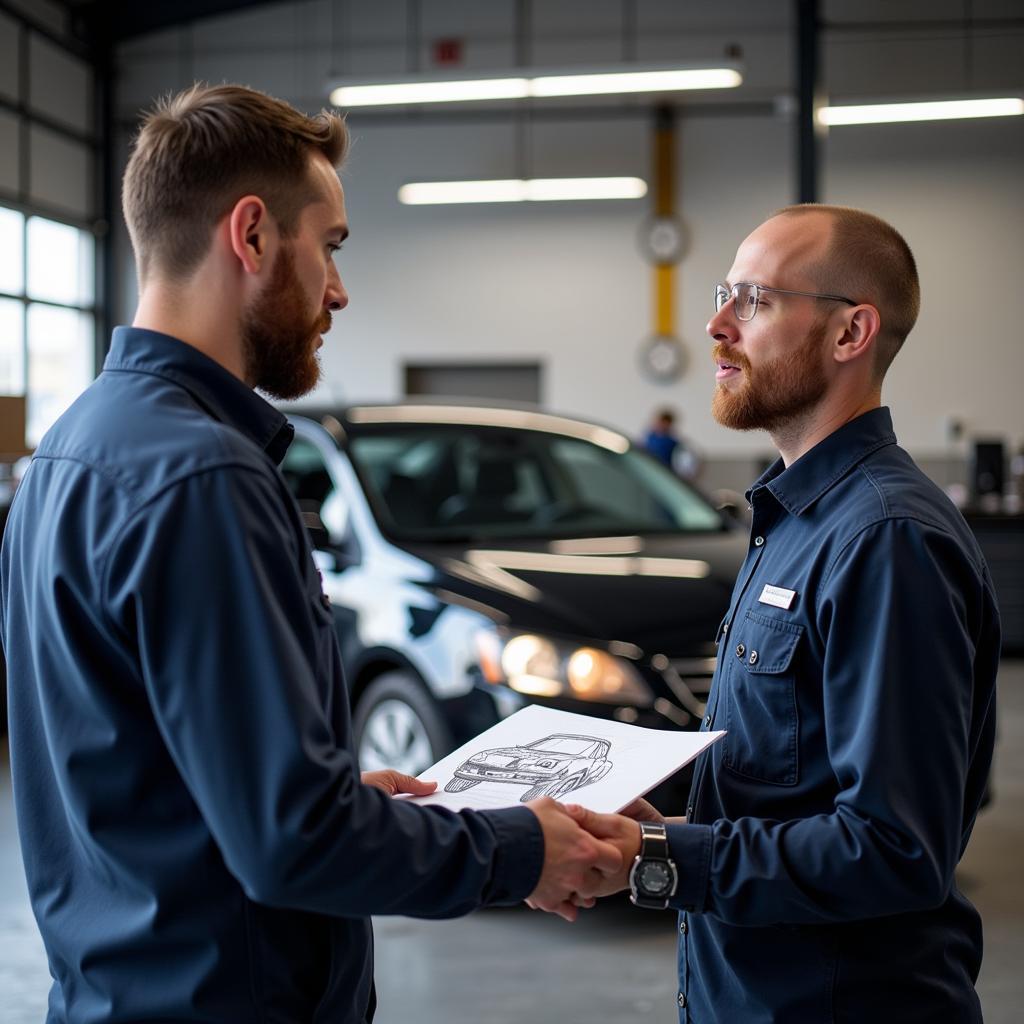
197 839
814 869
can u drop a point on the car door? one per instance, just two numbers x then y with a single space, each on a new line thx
325 503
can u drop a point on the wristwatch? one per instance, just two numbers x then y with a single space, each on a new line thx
653 877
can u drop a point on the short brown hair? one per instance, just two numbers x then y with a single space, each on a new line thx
200 151
868 260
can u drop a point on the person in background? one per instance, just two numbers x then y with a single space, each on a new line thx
814 868
198 841
662 441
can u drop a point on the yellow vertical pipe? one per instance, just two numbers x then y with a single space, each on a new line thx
664 206
664 299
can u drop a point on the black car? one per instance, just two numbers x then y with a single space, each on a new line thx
481 558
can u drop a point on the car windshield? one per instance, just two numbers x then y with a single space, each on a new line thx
437 482
562 745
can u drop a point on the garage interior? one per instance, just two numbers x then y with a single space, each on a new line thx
580 307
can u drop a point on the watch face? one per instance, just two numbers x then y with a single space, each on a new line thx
654 878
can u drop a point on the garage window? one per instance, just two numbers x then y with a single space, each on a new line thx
47 314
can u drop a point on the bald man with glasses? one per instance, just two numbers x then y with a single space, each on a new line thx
814 869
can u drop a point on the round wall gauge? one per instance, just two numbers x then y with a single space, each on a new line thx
663 239
663 357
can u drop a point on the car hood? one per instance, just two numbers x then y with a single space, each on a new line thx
504 752
665 594
513 756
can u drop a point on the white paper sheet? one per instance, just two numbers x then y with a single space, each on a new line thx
538 751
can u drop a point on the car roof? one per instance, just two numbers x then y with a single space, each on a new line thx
571 736
342 420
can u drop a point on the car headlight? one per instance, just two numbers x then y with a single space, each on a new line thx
541 667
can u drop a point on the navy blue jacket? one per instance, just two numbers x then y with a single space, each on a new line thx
197 842
817 867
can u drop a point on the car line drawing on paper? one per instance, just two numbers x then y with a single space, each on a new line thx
552 766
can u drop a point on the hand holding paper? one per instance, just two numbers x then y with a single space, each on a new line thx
393 783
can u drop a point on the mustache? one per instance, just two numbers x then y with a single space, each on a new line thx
720 353
323 325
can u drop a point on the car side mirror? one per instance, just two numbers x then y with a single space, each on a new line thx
329 555
732 505
319 536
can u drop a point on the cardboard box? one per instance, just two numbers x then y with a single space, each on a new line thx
12 427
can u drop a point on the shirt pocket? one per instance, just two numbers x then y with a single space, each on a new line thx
761 716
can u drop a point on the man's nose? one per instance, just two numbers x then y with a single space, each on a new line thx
722 326
335 298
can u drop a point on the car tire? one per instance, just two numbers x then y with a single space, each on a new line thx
460 785
552 789
398 725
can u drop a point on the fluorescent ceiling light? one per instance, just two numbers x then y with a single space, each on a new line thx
513 85
519 190
429 92
635 81
933 110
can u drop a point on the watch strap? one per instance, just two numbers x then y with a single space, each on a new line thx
653 848
653 841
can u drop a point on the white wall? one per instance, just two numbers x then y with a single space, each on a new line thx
565 283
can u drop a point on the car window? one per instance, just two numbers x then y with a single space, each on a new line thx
608 481
575 745
430 481
310 482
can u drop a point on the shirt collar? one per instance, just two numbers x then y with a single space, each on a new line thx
220 392
798 486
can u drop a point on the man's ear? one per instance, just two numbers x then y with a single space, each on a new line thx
250 230
858 339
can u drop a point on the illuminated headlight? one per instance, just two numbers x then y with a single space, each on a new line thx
540 667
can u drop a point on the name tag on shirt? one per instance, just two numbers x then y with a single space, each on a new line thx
779 597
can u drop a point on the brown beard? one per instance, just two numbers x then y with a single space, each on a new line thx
278 341
777 393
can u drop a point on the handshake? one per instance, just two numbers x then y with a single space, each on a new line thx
586 855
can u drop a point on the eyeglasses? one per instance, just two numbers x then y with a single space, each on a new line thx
747 297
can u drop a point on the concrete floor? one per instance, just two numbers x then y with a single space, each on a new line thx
616 963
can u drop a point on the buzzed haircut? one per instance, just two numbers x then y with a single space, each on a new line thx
198 152
868 260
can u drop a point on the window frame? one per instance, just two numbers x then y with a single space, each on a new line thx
95 140
90 309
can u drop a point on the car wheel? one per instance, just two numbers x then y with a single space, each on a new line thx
460 785
564 788
552 789
398 725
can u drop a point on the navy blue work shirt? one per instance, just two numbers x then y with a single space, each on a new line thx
856 679
197 841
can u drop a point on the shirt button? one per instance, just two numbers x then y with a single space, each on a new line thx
725 628
682 927
689 811
740 650
681 1000
753 658
707 721
758 541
